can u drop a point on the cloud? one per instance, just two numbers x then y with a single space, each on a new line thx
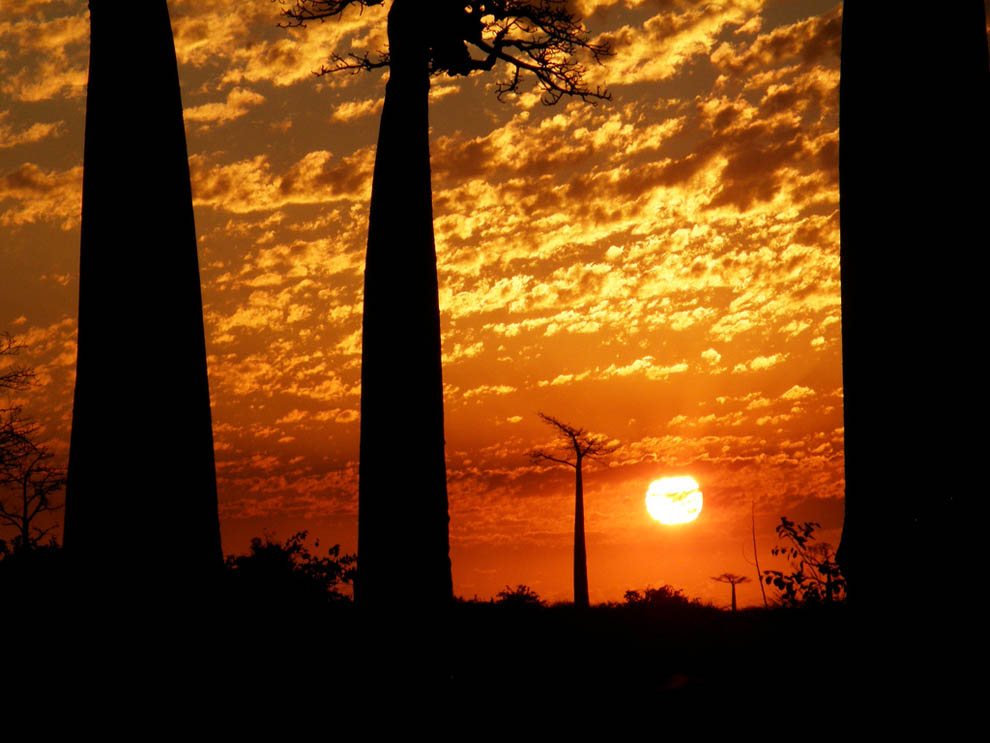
351 110
41 196
797 392
239 102
249 185
34 133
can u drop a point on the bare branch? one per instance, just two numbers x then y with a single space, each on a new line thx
13 377
576 440
539 37
319 10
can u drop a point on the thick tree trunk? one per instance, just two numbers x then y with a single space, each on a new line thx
580 553
403 547
733 597
141 500
913 164
913 191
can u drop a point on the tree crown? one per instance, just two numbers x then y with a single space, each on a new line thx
540 37
573 440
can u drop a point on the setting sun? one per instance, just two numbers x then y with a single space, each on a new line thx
674 500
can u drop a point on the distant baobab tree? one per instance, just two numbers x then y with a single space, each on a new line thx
913 189
141 493
732 580
576 445
403 506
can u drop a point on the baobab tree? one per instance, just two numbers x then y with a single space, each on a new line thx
914 112
403 507
141 474
732 580
576 445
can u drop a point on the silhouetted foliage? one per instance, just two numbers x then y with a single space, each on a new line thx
521 595
815 577
275 573
537 37
664 597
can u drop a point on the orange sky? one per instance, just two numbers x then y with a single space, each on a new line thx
662 269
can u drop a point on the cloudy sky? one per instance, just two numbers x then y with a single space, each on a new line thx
662 269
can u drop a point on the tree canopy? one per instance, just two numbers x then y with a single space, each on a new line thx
543 38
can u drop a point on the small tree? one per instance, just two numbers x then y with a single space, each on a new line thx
28 482
579 444
732 580
28 479
815 577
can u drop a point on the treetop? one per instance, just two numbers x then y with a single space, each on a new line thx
541 37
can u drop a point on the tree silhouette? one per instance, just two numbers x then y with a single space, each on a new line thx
580 444
403 506
732 580
30 480
815 577
27 477
913 159
12 377
141 474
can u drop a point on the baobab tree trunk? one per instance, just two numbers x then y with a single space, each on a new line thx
403 546
580 553
913 163
141 500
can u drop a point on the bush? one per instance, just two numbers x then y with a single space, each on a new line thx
290 573
663 597
815 578
521 595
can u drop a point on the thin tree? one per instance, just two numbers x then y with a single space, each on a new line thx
576 445
141 474
756 555
403 505
732 580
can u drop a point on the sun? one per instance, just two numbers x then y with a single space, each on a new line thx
674 500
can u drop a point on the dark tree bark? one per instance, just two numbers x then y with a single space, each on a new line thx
403 545
580 553
141 500
913 165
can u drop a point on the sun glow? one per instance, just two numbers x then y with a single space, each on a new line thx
674 500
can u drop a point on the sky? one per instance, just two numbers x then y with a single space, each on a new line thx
661 269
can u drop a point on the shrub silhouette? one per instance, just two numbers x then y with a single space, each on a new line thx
815 577
521 595
273 573
663 597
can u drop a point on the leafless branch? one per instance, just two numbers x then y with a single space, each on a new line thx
13 377
540 37
576 441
